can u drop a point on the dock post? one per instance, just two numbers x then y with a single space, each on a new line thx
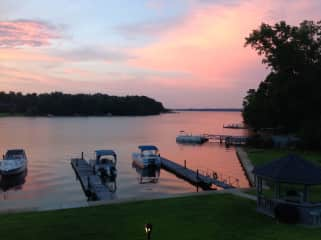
197 180
88 182
221 139
82 155
184 163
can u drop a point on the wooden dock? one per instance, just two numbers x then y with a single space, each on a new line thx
235 126
91 184
194 177
227 139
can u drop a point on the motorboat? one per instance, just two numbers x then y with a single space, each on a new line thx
14 162
104 163
189 138
148 156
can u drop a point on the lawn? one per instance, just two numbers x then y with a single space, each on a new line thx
217 216
261 156
4 114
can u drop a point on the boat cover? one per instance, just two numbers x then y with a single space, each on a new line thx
105 153
147 147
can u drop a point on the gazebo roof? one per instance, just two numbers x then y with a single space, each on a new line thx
290 169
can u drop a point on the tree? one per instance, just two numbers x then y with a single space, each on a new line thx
289 97
60 104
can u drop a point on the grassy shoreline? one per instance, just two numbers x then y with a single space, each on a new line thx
217 216
261 156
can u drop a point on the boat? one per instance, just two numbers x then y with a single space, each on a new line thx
104 163
189 138
14 162
147 157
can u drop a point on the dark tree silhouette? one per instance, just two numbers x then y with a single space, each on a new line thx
290 96
60 104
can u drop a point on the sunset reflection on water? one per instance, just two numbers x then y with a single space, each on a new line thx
51 142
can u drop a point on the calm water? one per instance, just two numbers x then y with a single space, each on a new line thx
51 142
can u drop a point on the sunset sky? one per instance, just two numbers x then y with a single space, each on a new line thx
184 53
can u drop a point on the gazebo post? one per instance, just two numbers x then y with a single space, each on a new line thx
277 190
258 185
306 193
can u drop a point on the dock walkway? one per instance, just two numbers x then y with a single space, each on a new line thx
194 177
227 139
90 183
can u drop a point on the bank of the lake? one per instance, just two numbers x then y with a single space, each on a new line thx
216 216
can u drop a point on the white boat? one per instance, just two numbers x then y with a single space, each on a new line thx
14 162
189 138
104 163
148 156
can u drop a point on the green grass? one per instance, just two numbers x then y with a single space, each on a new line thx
261 156
214 216
4 114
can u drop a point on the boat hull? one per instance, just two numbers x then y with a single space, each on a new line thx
191 139
15 171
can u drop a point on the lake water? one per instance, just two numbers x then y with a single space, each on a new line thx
50 143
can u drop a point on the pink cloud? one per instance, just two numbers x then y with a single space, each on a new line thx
22 54
26 33
209 43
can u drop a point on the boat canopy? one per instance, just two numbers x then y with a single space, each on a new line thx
100 153
14 153
147 148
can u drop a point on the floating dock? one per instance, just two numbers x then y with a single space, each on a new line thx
91 184
193 177
227 139
235 126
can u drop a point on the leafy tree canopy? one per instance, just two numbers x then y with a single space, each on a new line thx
60 104
290 96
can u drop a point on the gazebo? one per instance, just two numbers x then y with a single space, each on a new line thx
291 177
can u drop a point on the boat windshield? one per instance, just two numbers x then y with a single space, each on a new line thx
149 152
14 154
106 159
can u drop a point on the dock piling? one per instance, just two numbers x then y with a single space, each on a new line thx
184 163
197 183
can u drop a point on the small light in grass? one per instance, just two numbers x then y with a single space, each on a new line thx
148 230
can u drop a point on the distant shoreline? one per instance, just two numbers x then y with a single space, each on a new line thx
208 110
169 111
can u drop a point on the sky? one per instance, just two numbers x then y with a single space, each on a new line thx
184 53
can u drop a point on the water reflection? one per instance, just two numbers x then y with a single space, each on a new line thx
148 174
51 142
110 183
12 182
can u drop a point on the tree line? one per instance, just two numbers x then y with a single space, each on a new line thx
289 98
60 104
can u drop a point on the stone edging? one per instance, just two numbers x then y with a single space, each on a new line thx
246 165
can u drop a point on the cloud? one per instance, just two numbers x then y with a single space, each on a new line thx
209 43
30 33
149 29
94 53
